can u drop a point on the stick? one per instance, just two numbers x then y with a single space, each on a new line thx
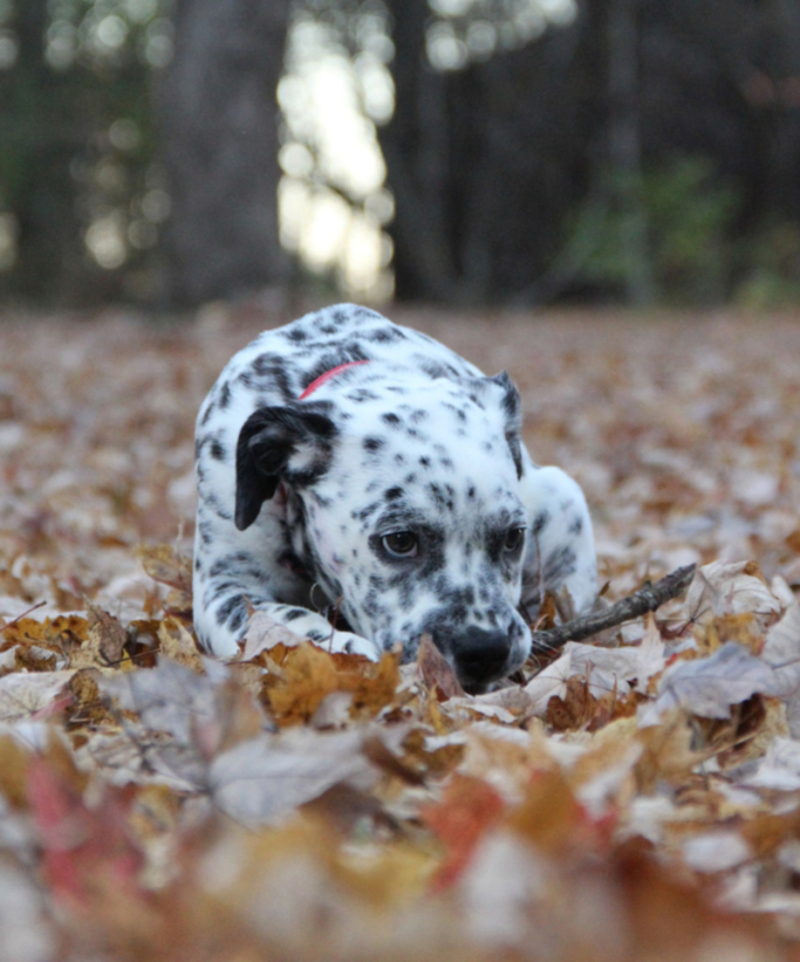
647 598
23 615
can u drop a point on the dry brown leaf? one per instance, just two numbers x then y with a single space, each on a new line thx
23 696
263 778
165 564
88 709
309 674
436 671
575 710
731 589
267 638
178 644
106 634
667 755
710 686
550 815
13 772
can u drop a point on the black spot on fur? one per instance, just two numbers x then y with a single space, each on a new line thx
577 526
362 394
272 368
365 512
393 494
442 498
237 619
539 522
217 450
293 614
372 444
391 419
385 335
559 565
432 368
226 611
225 396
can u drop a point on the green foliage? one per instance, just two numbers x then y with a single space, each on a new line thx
771 267
688 218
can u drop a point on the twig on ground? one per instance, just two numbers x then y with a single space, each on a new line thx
647 598
23 615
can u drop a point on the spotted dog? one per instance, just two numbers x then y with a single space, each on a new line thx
346 461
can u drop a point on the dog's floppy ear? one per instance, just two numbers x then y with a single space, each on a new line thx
276 444
511 406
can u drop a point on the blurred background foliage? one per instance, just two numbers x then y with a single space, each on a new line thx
172 152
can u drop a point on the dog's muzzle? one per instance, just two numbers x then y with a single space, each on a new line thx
481 657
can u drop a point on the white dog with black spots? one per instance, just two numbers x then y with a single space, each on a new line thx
346 461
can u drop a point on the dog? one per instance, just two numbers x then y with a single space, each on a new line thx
346 460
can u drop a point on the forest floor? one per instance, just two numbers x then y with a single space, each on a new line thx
634 800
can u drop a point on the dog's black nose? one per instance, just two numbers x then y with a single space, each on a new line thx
481 656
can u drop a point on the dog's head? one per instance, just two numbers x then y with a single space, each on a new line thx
403 504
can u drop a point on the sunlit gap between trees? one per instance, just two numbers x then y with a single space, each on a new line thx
333 202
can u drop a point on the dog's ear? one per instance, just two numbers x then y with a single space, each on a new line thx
277 444
512 413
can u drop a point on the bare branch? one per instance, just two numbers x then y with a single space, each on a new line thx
647 598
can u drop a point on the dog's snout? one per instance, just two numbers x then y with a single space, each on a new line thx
481 655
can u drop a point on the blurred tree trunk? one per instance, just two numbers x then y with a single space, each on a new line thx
415 147
484 162
625 149
40 134
220 145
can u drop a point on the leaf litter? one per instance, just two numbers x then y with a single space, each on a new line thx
634 795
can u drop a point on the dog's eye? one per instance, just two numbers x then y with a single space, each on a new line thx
400 544
514 539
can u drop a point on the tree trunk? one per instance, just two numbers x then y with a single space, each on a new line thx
625 150
415 148
220 143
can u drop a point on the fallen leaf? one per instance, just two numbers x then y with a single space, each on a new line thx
106 634
179 645
23 696
469 807
264 633
265 777
716 851
709 686
731 589
165 564
779 769
436 671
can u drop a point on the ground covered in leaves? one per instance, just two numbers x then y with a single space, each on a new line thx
636 797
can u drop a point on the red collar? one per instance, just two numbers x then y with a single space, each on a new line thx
326 377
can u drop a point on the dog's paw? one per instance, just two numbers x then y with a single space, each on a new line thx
345 642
